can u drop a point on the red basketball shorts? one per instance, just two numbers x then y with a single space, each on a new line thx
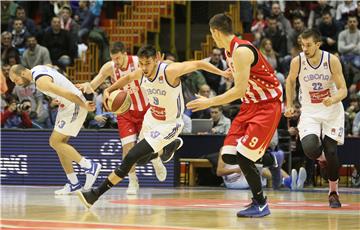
252 129
129 125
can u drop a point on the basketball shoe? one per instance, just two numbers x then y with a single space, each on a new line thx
301 178
68 189
170 150
334 201
255 210
159 168
88 198
133 187
91 174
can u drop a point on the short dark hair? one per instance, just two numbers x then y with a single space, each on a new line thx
315 34
117 47
272 17
326 12
220 107
352 16
19 8
146 51
222 23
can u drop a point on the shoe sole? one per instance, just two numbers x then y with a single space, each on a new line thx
95 177
83 200
254 216
172 155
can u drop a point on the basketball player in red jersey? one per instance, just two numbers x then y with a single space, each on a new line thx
129 124
253 127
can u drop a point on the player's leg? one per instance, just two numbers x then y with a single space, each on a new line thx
68 123
260 126
140 150
333 165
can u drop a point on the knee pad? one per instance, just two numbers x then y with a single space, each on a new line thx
312 146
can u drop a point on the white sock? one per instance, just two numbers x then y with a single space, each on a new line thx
85 163
72 177
132 176
333 186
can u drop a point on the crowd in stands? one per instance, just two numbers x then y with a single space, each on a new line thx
67 26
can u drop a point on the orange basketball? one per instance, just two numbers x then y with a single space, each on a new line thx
119 102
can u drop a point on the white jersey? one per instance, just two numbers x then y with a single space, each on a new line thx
58 79
137 94
166 102
316 83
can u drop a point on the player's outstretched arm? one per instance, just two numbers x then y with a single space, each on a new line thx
241 78
178 69
339 80
290 86
45 83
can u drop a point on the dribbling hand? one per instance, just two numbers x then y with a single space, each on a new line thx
198 104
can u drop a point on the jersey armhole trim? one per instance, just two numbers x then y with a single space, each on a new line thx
299 65
167 79
329 63
256 56
41 75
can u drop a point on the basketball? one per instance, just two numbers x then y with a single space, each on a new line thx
119 102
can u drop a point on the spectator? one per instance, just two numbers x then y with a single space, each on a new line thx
276 35
47 13
344 9
8 9
329 30
204 91
351 112
272 57
221 124
246 15
68 24
15 116
216 59
5 69
61 47
349 43
316 13
187 124
357 13
299 27
84 18
35 54
7 49
27 22
19 35
36 99
283 22
356 125
258 26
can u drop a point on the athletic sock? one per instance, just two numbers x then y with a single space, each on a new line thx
72 177
85 163
333 186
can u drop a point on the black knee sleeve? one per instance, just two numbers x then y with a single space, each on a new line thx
330 151
312 146
140 151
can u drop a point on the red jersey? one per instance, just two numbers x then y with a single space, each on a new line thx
263 83
137 94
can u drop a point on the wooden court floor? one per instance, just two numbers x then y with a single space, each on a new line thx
175 208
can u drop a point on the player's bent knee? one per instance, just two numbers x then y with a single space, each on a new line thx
311 146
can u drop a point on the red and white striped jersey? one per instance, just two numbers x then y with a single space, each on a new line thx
263 84
138 95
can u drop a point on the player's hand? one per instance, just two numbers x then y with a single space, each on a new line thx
328 101
100 118
106 95
90 106
85 87
198 104
227 74
289 112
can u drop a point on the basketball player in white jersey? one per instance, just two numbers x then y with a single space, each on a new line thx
72 112
129 124
322 87
162 122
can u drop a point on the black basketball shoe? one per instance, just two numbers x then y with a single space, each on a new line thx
88 198
170 149
334 201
